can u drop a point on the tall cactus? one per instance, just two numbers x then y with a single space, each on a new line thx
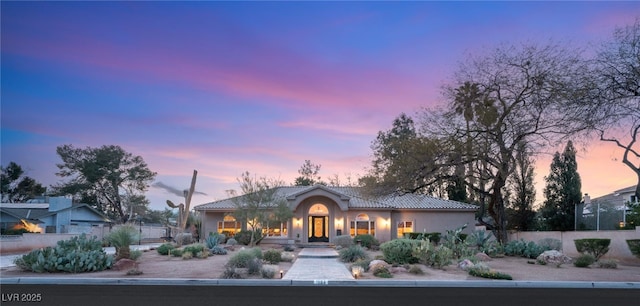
183 209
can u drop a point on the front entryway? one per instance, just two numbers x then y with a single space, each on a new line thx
318 229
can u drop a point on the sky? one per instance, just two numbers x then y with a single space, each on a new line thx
228 87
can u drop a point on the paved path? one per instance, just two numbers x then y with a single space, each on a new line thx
318 264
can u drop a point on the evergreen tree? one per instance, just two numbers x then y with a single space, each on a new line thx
522 193
562 192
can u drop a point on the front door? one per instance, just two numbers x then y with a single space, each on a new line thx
318 229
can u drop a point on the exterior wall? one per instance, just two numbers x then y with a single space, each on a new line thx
383 222
618 249
85 214
210 222
438 221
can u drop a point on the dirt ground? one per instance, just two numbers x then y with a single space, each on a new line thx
154 265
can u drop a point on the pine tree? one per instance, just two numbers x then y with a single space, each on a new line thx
562 192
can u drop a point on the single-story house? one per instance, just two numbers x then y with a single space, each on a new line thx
52 215
320 213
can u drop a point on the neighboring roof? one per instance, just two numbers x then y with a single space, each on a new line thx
357 200
29 211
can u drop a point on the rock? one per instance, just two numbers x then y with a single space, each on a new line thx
465 264
483 257
377 262
125 264
553 257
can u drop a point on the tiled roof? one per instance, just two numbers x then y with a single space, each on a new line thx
357 200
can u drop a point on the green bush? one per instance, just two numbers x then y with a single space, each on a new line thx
455 240
607 264
194 248
549 244
121 238
257 252
594 246
584 261
435 256
135 254
434 237
232 241
352 254
165 248
241 259
75 255
272 256
187 255
218 250
399 251
634 246
254 266
269 271
362 263
176 252
244 237
231 273
523 248
344 241
489 274
367 241
381 271
416 270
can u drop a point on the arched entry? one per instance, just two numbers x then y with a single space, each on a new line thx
318 223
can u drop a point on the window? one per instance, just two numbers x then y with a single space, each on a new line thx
275 229
404 227
362 226
229 226
633 199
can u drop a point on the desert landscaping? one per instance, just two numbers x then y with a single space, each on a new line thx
153 265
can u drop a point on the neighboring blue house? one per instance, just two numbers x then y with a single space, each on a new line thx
52 215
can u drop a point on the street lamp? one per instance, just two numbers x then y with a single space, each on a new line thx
139 218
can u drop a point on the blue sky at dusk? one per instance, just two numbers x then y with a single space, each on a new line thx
228 87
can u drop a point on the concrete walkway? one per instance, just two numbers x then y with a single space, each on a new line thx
318 264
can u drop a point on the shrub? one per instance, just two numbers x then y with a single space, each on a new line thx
231 273
434 237
367 241
176 252
634 246
287 256
479 240
363 263
416 270
241 259
203 254
550 244
489 274
232 241
134 255
381 271
184 239
607 264
269 271
254 266
272 256
244 236
344 241
523 249
455 240
218 250
194 248
399 251
187 255
257 252
121 238
214 239
584 261
352 253
289 248
436 256
165 248
594 246
75 255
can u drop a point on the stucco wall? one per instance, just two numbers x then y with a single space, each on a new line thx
439 221
618 248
